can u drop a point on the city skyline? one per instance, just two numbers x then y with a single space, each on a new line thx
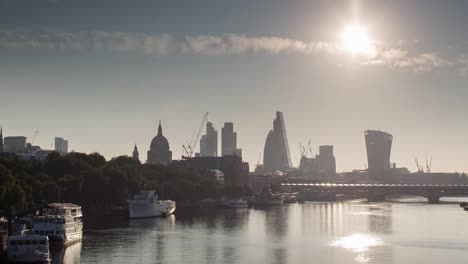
103 81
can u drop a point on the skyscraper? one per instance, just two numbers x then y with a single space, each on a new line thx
276 153
136 154
229 141
378 145
159 152
209 142
61 145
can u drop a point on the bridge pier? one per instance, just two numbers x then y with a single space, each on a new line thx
433 199
375 197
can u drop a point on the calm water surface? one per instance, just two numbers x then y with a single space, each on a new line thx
404 231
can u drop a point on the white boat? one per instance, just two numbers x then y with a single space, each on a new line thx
146 204
239 203
266 197
28 248
61 222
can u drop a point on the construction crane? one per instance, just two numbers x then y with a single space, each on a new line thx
420 168
304 150
301 150
189 150
428 164
309 148
34 137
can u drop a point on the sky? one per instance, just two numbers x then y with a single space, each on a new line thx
103 73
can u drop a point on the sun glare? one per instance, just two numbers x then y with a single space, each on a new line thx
355 39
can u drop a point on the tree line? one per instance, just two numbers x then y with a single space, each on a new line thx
96 184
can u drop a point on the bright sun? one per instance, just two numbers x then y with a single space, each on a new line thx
355 39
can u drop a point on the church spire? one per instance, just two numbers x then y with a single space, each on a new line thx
160 129
136 154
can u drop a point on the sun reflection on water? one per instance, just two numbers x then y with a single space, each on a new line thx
357 242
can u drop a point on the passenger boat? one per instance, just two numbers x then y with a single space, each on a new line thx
61 222
146 204
289 199
239 203
28 248
266 197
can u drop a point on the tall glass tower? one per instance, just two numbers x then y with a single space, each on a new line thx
276 153
379 146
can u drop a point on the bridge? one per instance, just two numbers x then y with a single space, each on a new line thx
375 192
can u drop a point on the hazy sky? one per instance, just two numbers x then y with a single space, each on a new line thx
102 73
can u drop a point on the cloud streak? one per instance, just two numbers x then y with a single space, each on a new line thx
397 57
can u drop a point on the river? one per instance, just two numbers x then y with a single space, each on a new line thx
406 230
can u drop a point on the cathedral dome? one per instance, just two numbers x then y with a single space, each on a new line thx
159 152
159 142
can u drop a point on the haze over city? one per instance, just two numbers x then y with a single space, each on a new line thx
102 74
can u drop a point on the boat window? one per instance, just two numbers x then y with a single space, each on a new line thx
20 242
13 243
42 242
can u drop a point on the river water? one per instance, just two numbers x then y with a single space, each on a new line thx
407 230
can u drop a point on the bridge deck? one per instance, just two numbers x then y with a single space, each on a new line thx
375 185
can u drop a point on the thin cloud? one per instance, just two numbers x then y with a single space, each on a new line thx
163 44
232 44
125 42
402 59
224 45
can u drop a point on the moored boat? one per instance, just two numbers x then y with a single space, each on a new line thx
289 199
146 204
28 249
267 197
61 222
235 204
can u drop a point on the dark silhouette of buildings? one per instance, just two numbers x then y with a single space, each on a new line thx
276 153
236 172
159 152
1 139
323 165
15 144
229 141
209 142
136 154
378 145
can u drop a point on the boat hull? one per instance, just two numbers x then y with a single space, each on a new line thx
69 239
146 210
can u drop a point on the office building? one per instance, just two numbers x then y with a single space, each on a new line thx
229 141
276 153
14 144
378 145
209 142
61 145
322 165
